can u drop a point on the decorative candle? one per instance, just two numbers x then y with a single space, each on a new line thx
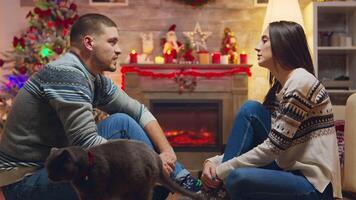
243 57
224 59
215 57
168 57
203 57
159 60
133 56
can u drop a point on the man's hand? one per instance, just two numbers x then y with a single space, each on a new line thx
169 159
209 177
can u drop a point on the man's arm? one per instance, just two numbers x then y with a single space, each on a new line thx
115 100
157 137
159 140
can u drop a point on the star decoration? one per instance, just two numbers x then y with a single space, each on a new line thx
197 38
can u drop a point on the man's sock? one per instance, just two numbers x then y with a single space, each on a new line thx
160 193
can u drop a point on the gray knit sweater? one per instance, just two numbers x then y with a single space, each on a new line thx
54 109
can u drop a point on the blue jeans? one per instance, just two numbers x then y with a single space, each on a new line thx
251 127
38 186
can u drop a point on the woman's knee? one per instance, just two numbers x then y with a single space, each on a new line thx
251 106
238 180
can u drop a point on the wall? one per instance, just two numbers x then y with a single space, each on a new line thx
156 16
12 21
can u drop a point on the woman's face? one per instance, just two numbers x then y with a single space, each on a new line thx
264 51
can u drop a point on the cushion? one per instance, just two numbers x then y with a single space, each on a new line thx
349 183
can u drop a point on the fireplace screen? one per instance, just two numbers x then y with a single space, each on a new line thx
190 125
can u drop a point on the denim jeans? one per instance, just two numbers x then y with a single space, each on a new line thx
251 127
38 186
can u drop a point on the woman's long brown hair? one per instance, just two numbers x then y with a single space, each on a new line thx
289 49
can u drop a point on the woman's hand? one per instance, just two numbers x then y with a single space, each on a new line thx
169 159
209 177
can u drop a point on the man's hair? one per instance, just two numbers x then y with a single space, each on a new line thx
91 23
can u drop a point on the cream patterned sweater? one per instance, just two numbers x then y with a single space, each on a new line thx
302 135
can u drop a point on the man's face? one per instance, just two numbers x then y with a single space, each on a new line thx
106 49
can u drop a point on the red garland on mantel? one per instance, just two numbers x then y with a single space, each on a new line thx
181 72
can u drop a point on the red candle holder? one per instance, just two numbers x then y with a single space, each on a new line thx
168 57
133 56
243 58
215 58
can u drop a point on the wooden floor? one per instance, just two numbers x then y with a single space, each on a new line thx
347 196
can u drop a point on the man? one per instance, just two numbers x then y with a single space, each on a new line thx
54 109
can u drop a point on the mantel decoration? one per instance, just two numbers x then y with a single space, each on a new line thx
194 3
229 45
185 78
197 38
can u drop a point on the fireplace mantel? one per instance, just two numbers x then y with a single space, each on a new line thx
188 66
152 82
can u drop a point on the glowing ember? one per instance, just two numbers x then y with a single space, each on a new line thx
189 138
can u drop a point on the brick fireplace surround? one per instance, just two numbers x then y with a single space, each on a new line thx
231 90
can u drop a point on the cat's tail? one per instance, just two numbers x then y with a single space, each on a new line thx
174 187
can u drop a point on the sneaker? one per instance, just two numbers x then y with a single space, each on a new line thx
190 183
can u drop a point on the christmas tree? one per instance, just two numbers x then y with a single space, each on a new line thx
229 46
44 40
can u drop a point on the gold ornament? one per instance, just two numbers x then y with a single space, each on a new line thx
197 38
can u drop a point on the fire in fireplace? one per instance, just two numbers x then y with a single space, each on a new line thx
190 125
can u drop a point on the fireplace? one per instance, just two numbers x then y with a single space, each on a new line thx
190 125
181 114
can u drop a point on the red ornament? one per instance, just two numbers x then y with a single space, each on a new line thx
58 22
73 6
23 70
65 32
2 62
50 24
32 37
66 23
47 12
18 41
58 50
73 19
32 29
37 10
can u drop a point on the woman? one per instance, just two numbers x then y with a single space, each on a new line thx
287 147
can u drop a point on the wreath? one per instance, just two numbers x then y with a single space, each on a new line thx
194 3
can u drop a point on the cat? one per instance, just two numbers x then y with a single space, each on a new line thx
119 169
